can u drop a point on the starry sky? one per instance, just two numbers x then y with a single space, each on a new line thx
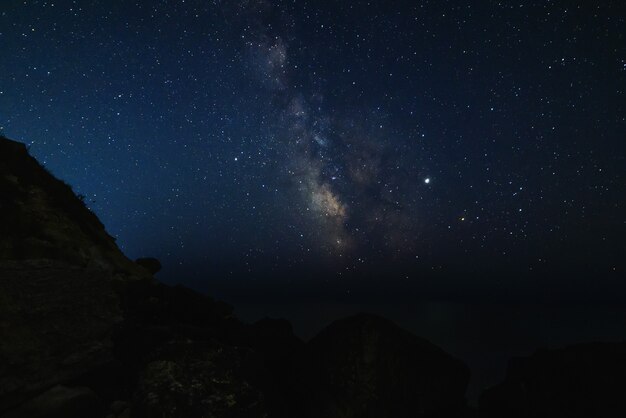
457 146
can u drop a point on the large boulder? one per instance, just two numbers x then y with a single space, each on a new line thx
586 380
151 264
366 366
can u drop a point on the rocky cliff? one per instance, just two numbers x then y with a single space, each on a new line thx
84 331
42 218
58 268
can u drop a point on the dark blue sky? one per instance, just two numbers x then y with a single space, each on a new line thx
408 142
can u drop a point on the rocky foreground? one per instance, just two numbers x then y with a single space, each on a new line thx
86 332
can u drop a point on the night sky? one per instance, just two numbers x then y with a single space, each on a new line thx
449 145
458 166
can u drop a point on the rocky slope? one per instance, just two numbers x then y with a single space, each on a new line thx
84 331
58 267
42 218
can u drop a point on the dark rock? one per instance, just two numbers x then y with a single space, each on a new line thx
586 380
118 407
200 380
151 264
125 413
60 402
275 341
156 314
56 322
366 366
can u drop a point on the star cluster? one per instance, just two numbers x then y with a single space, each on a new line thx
257 139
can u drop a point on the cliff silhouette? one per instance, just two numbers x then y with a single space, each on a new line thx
87 332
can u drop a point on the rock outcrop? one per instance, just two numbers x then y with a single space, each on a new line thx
366 366
42 218
152 265
586 380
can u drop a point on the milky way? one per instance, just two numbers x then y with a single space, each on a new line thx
333 161
253 139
